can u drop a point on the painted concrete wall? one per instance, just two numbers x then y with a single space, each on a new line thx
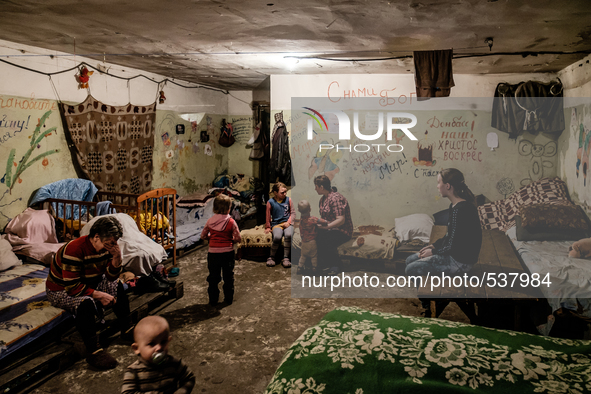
188 164
25 96
241 117
574 147
381 186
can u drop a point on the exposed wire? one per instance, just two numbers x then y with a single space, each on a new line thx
114 76
245 102
455 56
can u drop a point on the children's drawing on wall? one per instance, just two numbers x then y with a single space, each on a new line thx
425 147
207 150
505 186
15 169
212 133
166 126
325 161
574 122
537 153
204 137
166 139
584 146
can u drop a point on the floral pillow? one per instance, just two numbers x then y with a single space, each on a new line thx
542 217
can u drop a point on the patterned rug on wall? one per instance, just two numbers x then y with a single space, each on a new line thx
113 145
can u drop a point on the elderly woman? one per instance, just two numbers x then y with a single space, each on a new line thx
83 280
333 208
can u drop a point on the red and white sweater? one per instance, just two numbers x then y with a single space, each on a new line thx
222 232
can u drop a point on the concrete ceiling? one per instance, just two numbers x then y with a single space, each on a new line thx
236 44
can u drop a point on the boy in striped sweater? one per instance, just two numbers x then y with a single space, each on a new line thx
156 371
222 232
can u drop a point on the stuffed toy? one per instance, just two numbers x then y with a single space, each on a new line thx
580 249
162 97
83 77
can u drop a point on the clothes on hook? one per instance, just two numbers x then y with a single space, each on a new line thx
528 106
280 163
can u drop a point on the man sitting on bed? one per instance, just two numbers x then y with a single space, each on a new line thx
83 281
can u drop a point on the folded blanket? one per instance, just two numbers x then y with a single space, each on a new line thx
32 233
193 200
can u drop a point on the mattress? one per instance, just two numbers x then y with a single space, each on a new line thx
352 350
25 312
569 280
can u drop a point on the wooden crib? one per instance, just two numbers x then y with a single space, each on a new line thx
153 211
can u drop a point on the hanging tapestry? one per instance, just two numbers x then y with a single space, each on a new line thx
113 145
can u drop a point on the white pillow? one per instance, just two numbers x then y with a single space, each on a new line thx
7 257
415 226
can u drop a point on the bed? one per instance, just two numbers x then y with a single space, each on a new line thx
352 350
570 278
195 209
542 222
154 213
25 313
388 243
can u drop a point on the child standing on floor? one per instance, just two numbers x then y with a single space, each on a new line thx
222 232
308 225
156 371
280 217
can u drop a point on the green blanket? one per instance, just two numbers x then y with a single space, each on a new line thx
357 351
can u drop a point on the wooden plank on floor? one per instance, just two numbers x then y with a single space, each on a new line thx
488 253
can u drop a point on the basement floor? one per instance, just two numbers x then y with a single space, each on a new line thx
235 348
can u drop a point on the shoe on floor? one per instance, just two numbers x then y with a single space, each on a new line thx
174 272
286 263
149 284
102 360
161 278
270 262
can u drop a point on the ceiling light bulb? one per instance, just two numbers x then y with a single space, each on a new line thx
291 61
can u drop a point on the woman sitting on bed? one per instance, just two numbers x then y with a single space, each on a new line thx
458 250
337 227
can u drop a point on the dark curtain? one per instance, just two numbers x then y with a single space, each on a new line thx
528 106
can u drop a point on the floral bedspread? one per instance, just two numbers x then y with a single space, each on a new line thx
359 352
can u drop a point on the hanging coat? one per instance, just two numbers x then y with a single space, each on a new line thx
280 165
528 106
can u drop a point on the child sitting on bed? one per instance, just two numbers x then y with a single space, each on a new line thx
156 371
222 232
308 225
280 217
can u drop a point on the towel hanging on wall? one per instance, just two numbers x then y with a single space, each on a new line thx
433 73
